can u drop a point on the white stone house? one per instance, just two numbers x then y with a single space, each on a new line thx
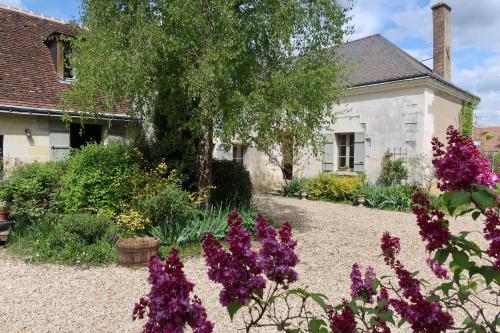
33 74
394 103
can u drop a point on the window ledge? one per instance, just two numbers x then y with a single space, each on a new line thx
67 81
346 173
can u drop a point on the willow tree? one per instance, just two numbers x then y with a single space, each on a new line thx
239 69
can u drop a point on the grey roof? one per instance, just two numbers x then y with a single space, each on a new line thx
375 59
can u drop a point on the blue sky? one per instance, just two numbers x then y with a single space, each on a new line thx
408 24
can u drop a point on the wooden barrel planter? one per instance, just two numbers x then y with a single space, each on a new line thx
4 211
137 251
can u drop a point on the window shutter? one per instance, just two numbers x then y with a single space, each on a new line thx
359 152
59 140
328 153
116 133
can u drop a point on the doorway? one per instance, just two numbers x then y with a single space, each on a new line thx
80 135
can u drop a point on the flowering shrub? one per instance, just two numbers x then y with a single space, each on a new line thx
260 280
133 221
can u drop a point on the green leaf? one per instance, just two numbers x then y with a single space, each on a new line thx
387 316
476 214
445 287
483 198
433 298
489 274
318 298
317 326
461 259
400 323
456 199
260 294
232 308
441 256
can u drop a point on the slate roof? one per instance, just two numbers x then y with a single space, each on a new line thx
376 60
28 77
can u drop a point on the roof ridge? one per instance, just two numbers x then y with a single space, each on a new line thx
360 39
31 13
414 61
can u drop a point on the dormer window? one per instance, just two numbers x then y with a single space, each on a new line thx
60 50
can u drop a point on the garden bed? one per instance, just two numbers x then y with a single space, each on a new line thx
330 238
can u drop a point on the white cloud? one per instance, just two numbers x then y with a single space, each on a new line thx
422 54
13 3
484 81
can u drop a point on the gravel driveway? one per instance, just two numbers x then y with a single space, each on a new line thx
52 298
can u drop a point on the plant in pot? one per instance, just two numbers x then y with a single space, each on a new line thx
4 208
134 250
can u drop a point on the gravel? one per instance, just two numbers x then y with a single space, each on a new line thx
331 237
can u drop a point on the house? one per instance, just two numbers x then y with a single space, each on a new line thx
394 103
33 73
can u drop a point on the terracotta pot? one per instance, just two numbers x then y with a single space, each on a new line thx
137 251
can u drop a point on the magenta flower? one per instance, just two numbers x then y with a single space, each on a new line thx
409 285
342 322
237 270
461 166
390 248
168 305
362 287
437 269
492 233
433 226
423 316
276 258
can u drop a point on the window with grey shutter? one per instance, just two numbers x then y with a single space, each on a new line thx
359 152
328 153
59 140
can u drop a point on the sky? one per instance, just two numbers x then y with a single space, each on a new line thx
408 24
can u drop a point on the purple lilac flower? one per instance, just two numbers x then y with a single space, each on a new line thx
276 258
410 285
423 316
357 285
433 226
362 287
168 305
237 270
437 269
343 322
461 166
492 233
390 248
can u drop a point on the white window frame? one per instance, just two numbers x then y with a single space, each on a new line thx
349 151
239 153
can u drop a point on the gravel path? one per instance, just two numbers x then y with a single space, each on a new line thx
52 298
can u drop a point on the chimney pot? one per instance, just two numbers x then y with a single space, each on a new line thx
441 24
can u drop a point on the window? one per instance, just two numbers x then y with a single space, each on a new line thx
60 50
82 135
345 144
239 153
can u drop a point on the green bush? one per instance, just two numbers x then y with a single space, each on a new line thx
32 191
332 187
170 209
214 220
393 172
293 188
388 198
98 178
233 186
77 239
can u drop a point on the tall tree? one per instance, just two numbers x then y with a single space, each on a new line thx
247 69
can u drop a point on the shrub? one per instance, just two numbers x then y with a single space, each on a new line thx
232 183
98 178
293 188
393 172
32 190
214 220
332 187
170 209
70 239
389 198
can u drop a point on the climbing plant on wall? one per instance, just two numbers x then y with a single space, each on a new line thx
467 118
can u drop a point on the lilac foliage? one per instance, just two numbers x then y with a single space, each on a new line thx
461 166
168 305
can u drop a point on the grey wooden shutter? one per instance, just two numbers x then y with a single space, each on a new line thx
59 140
328 153
359 152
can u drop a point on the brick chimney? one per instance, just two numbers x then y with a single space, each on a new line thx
441 25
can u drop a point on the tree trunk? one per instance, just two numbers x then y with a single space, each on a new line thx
287 155
204 162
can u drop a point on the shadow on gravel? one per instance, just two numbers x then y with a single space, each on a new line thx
281 212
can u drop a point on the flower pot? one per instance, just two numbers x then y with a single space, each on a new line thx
361 200
5 230
137 251
4 211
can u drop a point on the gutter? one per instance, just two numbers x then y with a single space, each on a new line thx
418 76
26 110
